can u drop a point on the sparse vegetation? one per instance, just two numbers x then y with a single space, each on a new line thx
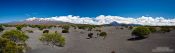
53 39
89 27
29 31
19 27
98 30
141 31
8 25
152 29
165 29
41 27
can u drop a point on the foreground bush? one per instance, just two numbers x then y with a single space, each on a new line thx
141 31
7 46
15 36
53 39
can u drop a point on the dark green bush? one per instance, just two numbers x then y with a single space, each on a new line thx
15 36
113 52
46 31
53 38
85 26
90 35
103 34
20 26
1 28
130 27
122 28
65 31
141 31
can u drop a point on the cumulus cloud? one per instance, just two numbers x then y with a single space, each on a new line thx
99 20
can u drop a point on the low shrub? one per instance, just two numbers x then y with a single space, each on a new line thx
113 52
46 31
90 35
141 31
130 27
53 38
103 34
122 28
65 31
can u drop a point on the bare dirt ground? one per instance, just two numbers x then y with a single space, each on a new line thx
116 40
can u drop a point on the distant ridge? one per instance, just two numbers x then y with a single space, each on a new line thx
53 22
114 23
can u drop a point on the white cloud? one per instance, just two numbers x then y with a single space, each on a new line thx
157 21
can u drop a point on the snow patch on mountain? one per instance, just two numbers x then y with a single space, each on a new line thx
102 19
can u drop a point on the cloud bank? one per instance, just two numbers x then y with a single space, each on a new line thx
102 19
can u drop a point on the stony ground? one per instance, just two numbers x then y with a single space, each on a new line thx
116 40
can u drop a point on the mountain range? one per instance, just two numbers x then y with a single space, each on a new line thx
101 20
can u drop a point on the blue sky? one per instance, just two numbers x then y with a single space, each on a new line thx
14 10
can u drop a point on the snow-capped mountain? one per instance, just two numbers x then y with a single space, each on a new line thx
38 21
100 20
